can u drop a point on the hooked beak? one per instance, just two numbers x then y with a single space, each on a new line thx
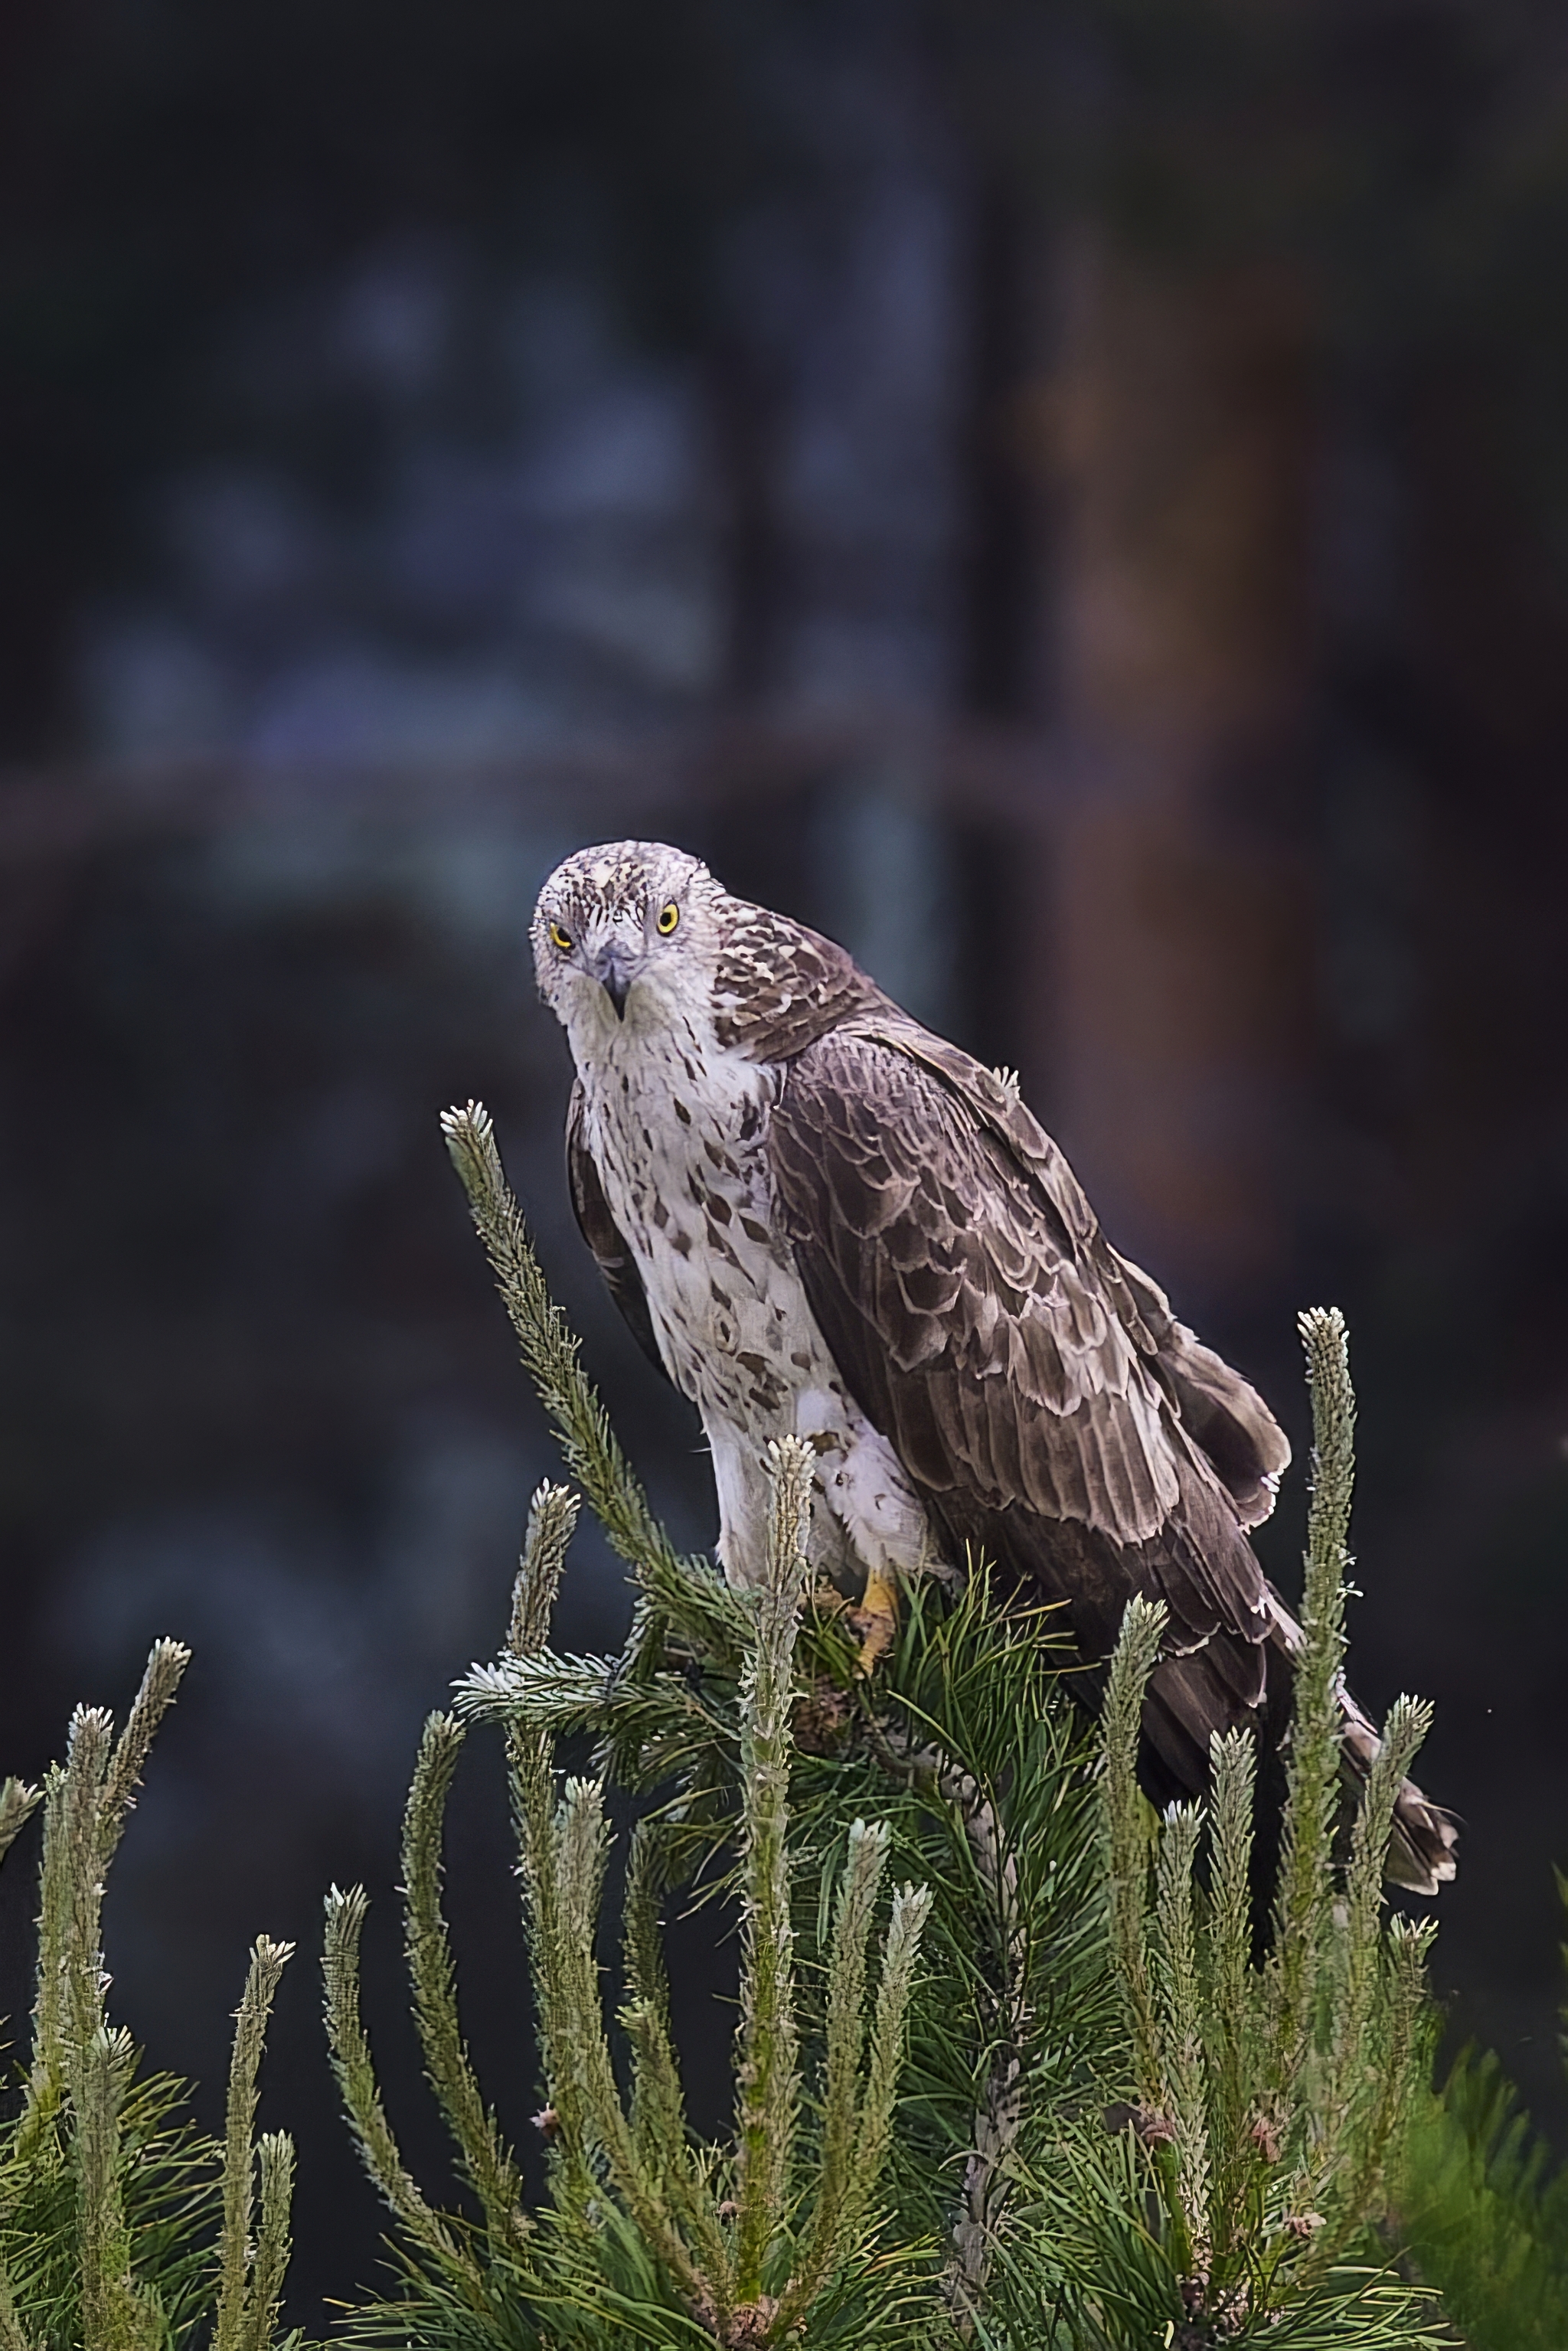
612 969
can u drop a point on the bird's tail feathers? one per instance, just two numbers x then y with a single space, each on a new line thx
1194 1694
1421 1850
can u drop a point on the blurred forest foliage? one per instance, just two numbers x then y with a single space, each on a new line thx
1073 499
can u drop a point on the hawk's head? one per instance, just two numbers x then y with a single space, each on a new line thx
627 932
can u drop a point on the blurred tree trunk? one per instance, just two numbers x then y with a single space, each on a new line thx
1173 974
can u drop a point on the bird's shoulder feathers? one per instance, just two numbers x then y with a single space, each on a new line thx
780 986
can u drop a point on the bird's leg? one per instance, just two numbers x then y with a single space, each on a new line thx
875 1619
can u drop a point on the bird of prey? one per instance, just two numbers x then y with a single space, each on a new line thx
819 1220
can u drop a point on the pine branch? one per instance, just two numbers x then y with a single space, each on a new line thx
999 2117
275 2161
355 2072
1409 1719
852 2167
17 1803
45 2077
1408 1942
769 2086
1312 1799
533 1806
85 1807
112 2317
68 2005
237 2307
556 1695
1233 1990
659 2133
642 1951
580 1853
553 1519
489 2165
853 1915
664 2157
900 1957
91 2171
160 1679
552 1523
1180 2013
658 2114
1126 1835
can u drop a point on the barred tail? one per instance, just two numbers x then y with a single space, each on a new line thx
1422 1848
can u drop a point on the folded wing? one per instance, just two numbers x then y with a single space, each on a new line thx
1033 1385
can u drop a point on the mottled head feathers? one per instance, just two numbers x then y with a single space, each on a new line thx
636 931
629 930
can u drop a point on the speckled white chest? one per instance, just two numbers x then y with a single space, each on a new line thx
678 1126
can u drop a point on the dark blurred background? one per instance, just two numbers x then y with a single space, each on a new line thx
1073 499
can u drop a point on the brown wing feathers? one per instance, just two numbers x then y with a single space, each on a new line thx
1227 1419
960 1301
1036 1387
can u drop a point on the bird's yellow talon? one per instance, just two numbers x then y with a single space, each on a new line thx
876 1621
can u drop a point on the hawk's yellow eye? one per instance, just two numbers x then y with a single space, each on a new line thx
668 919
560 938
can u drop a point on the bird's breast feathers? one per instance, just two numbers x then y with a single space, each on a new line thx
680 1143
677 1131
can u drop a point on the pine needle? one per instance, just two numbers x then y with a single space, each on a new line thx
13 2335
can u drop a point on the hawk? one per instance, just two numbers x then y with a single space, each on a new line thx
820 1219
